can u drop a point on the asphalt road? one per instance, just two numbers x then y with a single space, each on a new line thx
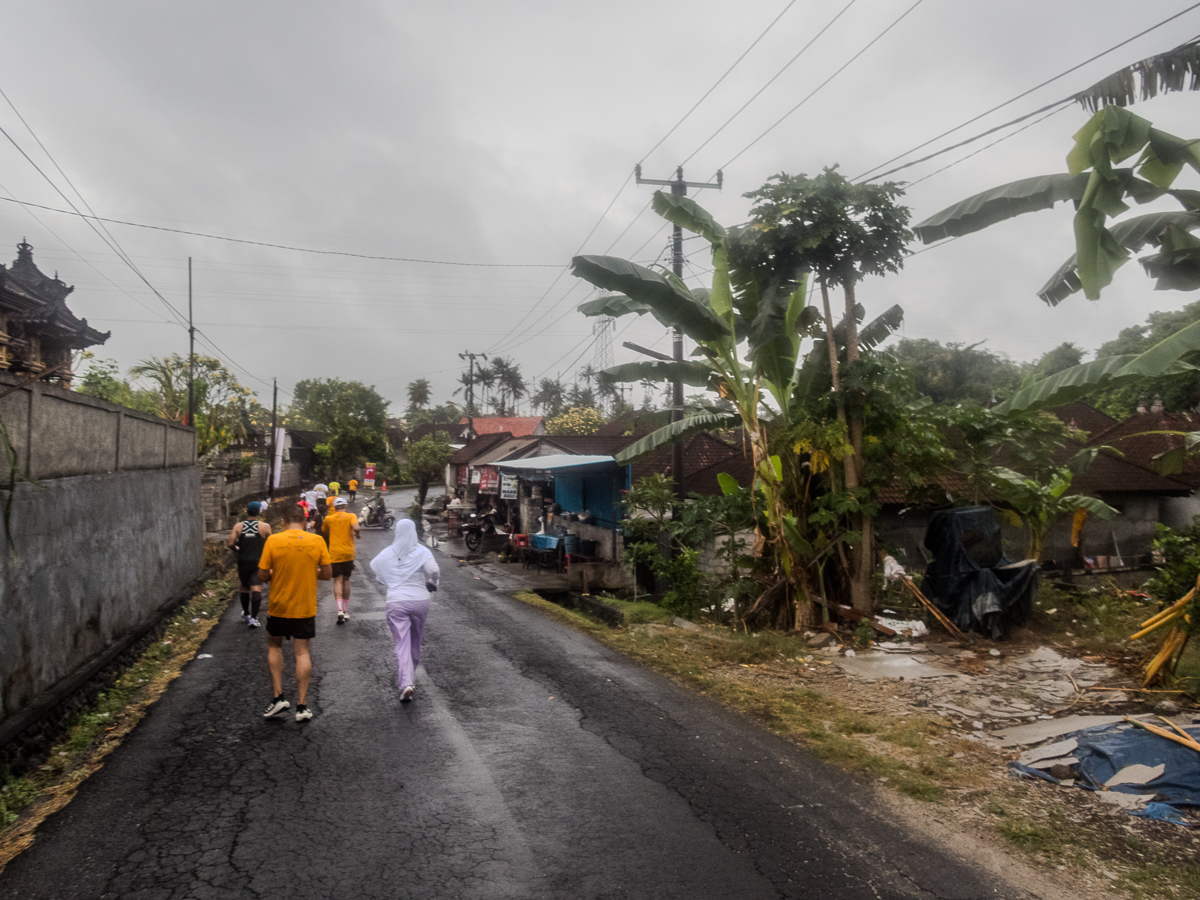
534 763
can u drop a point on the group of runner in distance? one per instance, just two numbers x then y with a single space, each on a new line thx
317 543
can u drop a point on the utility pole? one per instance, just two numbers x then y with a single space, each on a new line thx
471 387
679 188
191 413
271 466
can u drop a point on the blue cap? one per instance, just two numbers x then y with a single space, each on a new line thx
253 507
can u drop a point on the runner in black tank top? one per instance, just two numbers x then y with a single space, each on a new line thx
247 539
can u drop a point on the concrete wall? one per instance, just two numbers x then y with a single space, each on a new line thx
112 532
224 499
712 563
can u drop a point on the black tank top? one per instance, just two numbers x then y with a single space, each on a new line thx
250 542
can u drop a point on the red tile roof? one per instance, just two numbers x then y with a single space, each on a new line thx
1136 438
478 447
518 426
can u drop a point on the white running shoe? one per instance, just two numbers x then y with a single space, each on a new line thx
252 622
275 707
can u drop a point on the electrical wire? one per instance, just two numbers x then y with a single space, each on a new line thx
233 240
771 81
813 92
723 77
1011 101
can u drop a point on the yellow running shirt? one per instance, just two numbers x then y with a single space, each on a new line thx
340 528
334 488
293 557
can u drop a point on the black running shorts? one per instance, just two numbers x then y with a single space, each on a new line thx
304 629
343 569
248 574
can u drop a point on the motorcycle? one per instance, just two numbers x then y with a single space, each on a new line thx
373 516
476 526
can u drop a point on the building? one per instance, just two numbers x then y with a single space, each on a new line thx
38 334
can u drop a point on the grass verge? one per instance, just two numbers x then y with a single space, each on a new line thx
920 756
27 800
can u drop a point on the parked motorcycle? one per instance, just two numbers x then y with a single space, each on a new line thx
475 526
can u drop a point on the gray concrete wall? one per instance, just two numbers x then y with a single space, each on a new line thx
110 532
96 556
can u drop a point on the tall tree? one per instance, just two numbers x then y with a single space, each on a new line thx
550 397
352 415
221 402
952 373
841 232
418 393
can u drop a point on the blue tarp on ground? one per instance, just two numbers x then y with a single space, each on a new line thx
1105 750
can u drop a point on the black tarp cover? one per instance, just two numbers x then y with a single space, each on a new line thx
970 579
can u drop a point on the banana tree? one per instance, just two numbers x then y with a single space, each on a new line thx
748 328
1041 504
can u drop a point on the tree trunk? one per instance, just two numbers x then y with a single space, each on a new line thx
861 559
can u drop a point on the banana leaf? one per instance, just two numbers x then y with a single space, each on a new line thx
1132 234
1164 359
672 305
688 214
674 431
615 305
1176 267
1000 203
1175 70
696 374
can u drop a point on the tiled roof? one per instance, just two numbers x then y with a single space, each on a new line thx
1134 437
518 426
513 448
455 431
478 447
635 424
1083 417
704 481
699 452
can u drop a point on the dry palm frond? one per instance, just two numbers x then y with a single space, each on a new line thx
1181 617
1175 70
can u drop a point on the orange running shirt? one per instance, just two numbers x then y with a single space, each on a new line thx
293 557
353 485
340 528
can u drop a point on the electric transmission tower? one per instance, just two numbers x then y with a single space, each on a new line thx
602 330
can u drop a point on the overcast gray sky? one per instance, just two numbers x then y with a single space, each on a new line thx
496 134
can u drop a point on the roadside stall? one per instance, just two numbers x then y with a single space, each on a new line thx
569 508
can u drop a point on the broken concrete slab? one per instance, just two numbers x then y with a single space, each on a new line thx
1036 732
1136 774
886 665
1048 751
684 624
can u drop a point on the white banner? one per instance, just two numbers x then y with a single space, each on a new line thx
508 487
279 434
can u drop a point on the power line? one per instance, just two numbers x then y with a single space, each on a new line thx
1053 112
233 240
841 69
722 78
828 25
1010 101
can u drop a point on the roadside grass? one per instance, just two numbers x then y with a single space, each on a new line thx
637 612
26 801
922 757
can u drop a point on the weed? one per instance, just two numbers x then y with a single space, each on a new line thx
1025 834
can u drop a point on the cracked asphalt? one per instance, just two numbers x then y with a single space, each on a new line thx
534 763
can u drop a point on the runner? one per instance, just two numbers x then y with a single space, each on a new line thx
294 561
352 487
341 530
247 539
410 574
335 488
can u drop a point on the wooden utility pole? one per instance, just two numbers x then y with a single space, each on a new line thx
191 412
678 187
471 387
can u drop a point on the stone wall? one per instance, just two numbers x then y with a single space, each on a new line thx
712 563
224 498
109 534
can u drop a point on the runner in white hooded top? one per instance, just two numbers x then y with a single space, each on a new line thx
410 574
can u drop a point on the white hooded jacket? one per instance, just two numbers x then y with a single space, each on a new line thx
406 567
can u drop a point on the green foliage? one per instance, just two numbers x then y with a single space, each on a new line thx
1180 393
576 420
1176 575
103 380
351 414
427 460
954 373
221 402
446 414
418 393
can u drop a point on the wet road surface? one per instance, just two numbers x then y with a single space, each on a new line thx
534 763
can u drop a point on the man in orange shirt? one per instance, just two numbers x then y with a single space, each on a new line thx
342 530
352 486
293 561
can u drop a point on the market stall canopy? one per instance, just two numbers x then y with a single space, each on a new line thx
561 464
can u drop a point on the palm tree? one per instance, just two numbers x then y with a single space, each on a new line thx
465 388
486 378
418 393
550 397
